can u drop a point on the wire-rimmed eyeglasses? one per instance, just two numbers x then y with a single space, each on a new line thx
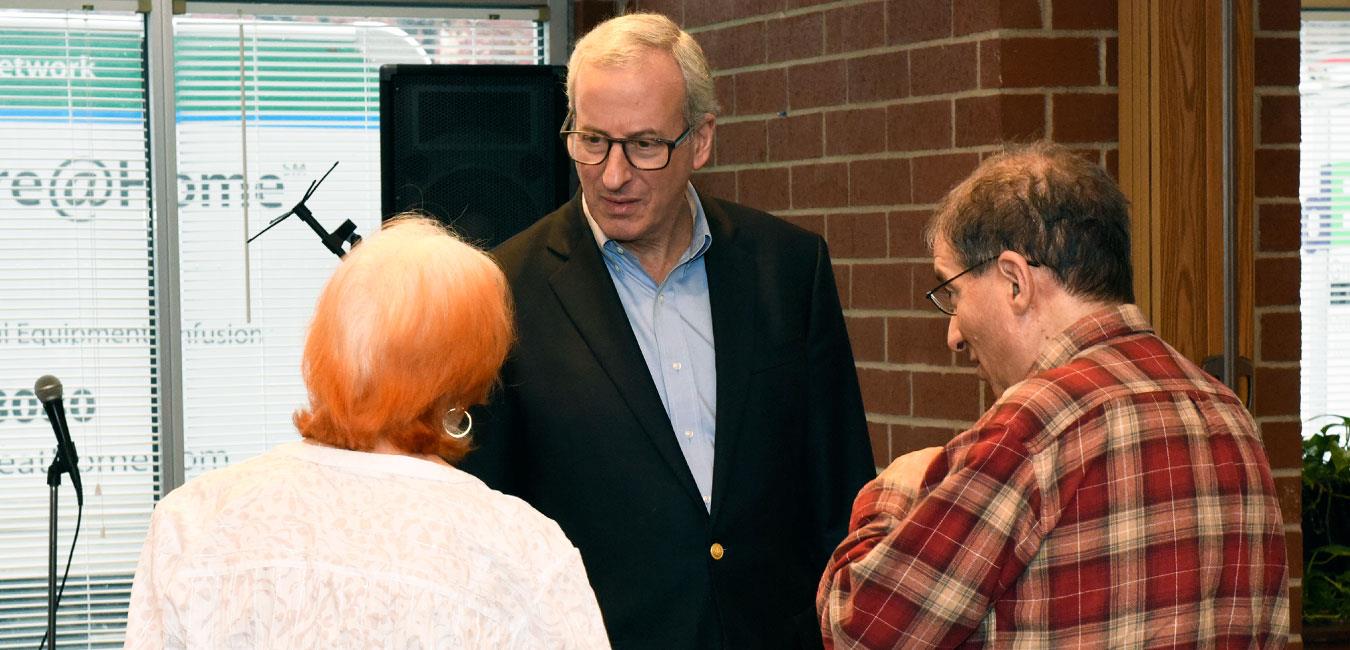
647 154
941 295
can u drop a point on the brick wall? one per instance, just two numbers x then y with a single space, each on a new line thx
1278 341
853 117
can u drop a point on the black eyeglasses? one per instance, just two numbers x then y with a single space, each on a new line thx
647 154
942 296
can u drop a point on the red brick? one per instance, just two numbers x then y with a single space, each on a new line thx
714 183
991 60
1293 544
1113 62
855 27
811 222
586 14
913 21
934 176
819 186
1085 117
843 279
703 12
1289 489
764 188
1076 14
762 91
796 137
884 181
1113 163
884 391
918 340
1279 227
749 8
726 93
855 131
741 142
1279 281
1284 444
816 84
1281 338
880 435
1277 60
878 77
919 127
906 234
882 285
796 37
794 4
995 119
949 396
1032 62
1273 15
857 235
1279 119
867 336
1296 606
970 16
1277 391
1276 173
943 69
905 439
734 47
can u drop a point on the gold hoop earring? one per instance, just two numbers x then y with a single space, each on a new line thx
457 426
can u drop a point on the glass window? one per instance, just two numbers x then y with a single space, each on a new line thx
266 104
1324 191
79 303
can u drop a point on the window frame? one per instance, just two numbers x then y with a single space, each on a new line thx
164 160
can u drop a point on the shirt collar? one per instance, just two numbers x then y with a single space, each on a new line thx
698 243
1101 325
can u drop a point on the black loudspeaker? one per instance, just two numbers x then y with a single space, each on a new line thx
476 146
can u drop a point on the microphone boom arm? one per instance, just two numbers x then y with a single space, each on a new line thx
332 241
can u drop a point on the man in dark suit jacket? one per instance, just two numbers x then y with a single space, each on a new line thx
682 398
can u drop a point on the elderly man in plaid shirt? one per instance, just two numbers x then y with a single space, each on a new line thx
1114 496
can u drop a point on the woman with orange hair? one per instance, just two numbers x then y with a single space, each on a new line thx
363 534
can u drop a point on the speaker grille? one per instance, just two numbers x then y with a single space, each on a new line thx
474 146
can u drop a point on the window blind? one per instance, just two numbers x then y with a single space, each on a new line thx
1324 191
265 105
78 302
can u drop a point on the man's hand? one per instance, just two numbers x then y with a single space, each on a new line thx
906 472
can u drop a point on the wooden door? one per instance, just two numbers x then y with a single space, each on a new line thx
1187 160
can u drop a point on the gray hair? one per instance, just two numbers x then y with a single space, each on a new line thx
622 40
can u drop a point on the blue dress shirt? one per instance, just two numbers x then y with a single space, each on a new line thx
673 325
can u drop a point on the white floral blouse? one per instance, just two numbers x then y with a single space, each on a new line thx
308 546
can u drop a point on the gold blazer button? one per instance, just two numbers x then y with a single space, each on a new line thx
716 551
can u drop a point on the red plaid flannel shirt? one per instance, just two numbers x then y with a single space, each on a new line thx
1119 496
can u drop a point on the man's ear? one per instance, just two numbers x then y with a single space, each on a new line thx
703 140
1012 268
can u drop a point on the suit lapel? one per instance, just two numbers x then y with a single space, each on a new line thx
586 291
732 285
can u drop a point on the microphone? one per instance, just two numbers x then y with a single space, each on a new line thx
48 390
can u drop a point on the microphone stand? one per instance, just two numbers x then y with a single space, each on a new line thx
333 241
60 464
